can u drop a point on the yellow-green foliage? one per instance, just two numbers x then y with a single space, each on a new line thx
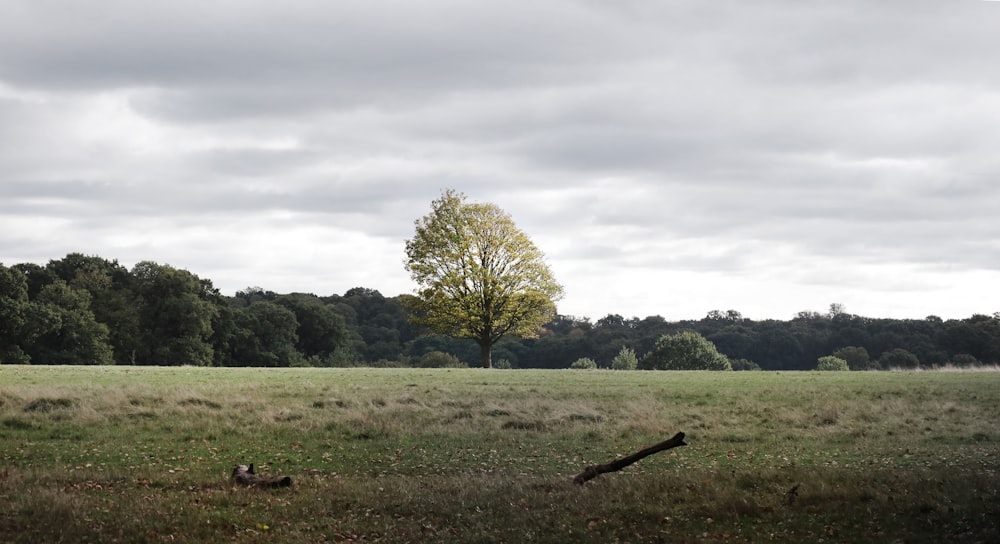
831 363
583 363
625 360
480 277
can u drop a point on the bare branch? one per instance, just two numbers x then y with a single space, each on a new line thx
594 471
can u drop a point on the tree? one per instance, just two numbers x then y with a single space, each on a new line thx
686 350
978 336
113 300
78 339
175 316
14 312
479 276
261 334
36 277
250 295
735 340
378 324
836 309
625 360
778 347
830 362
321 331
857 358
898 358
273 337
729 315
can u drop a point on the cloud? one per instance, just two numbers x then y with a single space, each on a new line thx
767 157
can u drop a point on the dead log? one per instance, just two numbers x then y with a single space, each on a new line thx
245 476
594 471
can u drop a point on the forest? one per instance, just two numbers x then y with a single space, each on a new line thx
89 310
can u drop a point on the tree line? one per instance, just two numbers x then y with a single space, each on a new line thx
864 343
90 310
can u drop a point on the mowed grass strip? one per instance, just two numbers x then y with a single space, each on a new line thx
132 454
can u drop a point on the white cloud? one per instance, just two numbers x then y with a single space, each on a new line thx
670 157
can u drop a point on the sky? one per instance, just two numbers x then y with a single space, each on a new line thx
669 157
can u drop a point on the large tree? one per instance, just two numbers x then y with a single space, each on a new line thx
175 313
113 300
77 338
321 331
15 310
479 276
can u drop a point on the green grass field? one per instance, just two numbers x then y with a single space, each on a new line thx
133 454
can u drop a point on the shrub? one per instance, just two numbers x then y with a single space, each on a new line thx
503 364
898 358
857 358
625 360
964 359
583 363
686 350
831 363
745 364
439 359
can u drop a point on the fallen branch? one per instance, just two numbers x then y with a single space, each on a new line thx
594 471
245 476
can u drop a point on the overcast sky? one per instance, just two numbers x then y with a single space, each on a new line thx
669 157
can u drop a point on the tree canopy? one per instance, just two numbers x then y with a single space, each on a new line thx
73 309
479 276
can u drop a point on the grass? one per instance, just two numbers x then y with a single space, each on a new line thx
125 454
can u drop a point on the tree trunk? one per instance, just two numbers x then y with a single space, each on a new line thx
486 353
594 471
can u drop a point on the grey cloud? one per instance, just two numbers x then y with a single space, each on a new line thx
266 57
626 132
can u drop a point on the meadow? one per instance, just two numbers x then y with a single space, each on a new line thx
143 454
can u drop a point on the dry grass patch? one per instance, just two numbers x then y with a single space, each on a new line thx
477 456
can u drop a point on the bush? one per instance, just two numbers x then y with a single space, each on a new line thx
745 364
831 363
686 350
964 360
625 360
584 363
502 364
898 358
439 359
857 358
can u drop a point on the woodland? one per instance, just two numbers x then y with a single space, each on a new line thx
89 310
